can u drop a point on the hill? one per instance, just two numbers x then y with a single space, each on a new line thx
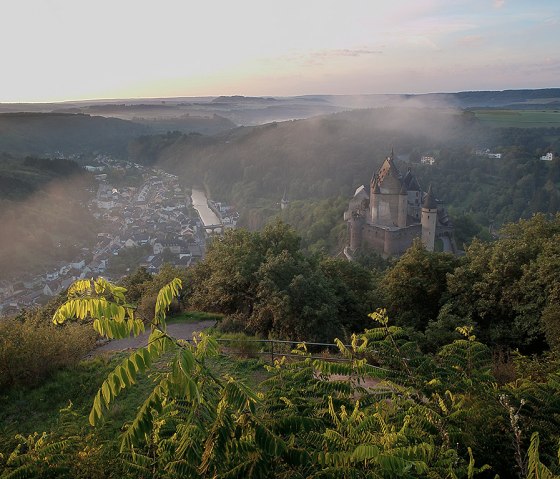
47 133
317 157
331 155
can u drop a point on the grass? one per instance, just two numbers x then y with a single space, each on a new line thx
67 394
62 403
194 317
519 118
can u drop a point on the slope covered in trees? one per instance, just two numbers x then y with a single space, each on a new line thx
330 156
47 133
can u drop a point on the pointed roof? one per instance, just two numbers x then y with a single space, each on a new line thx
410 181
413 184
389 178
430 202
388 168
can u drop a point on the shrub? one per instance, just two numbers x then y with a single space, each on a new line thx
233 323
241 344
32 348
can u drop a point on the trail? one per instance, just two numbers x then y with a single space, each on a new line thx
177 330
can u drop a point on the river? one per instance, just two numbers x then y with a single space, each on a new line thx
200 204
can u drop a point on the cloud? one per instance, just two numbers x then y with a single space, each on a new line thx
321 57
470 40
499 3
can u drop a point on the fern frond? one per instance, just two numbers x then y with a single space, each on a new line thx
142 424
535 468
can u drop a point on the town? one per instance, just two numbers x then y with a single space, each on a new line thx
149 225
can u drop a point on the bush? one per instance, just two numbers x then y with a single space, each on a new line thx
32 348
241 344
233 323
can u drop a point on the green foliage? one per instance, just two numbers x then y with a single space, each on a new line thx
413 287
318 223
105 304
35 133
508 288
382 408
127 259
266 286
37 456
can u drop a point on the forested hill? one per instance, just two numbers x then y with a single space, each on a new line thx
330 156
316 157
47 133
21 177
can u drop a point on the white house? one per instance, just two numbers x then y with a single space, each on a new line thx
547 157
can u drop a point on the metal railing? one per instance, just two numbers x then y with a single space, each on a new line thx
272 352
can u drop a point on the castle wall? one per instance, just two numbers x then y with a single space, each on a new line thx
388 210
398 241
390 242
403 211
374 237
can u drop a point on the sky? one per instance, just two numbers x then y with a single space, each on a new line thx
57 50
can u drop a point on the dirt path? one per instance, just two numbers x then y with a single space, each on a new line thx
177 330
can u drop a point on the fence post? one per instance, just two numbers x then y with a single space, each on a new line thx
272 350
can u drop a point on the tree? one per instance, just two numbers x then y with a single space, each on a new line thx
414 287
505 286
266 285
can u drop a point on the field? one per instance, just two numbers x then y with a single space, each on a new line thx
519 118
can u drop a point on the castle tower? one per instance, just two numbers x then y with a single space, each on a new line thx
429 220
403 207
356 226
284 201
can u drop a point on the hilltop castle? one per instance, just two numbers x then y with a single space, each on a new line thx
394 213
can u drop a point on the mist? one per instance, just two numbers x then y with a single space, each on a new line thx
48 226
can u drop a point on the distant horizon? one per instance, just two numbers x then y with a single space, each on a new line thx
181 97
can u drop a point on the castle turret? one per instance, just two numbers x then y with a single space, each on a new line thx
403 207
429 220
356 226
284 201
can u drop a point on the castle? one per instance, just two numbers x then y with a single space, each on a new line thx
394 213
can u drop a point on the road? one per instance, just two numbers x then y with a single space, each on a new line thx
177 330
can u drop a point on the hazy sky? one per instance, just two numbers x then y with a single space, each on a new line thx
75 49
